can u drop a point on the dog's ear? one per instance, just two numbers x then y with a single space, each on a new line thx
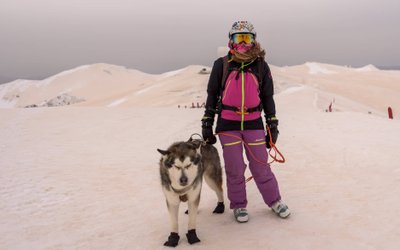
163 152
196 160
169 162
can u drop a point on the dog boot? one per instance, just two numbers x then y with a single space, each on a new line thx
280 209
220 208
192 236
173 240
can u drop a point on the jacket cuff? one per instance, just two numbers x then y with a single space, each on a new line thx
272 121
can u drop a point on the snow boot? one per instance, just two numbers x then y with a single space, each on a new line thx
280 209
241 214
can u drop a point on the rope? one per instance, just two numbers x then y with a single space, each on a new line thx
201 137
273 149
276 150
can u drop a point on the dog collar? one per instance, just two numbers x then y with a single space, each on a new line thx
183 190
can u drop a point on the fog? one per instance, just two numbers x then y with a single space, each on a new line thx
43 37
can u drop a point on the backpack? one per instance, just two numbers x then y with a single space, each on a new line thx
225 72
232 112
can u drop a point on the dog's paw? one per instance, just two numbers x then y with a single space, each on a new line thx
173 240
192 236
220 208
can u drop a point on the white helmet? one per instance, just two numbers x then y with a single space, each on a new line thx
242 27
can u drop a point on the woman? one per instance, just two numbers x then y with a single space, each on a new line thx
239 88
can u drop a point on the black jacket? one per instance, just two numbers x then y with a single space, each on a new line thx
214 92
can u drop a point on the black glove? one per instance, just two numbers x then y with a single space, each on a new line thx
207 131
272 124
208 135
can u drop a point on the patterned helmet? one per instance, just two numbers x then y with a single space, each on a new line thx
242 27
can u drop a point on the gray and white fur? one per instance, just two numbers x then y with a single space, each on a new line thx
182 168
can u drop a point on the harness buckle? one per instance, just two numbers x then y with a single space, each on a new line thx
239 111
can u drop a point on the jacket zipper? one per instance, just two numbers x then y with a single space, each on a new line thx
242 123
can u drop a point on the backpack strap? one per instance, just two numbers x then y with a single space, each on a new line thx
225 65
261 64
261 73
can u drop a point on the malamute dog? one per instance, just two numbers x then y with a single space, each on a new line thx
182 167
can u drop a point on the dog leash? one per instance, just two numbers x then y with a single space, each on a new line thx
276 150
273 151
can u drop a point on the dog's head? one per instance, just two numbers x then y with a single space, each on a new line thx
182 162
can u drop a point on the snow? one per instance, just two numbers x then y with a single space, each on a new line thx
86 176
172 73
315 68
154 86
63 74
292 89
367 68
116 102
9 93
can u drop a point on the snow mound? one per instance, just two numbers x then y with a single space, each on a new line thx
117 102
61 100
367 68
11 92
172 73
205 71
291 88
64 73
316 68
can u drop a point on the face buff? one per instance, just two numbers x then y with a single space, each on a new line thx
242 47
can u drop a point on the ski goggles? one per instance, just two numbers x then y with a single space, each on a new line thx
243 37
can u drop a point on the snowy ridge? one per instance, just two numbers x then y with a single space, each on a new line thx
105 85
116 102
315 68
51 79
367 68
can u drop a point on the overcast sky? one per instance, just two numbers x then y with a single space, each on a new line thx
39 38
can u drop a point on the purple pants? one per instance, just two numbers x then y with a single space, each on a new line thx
235 167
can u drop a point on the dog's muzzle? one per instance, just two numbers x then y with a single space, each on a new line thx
183 180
